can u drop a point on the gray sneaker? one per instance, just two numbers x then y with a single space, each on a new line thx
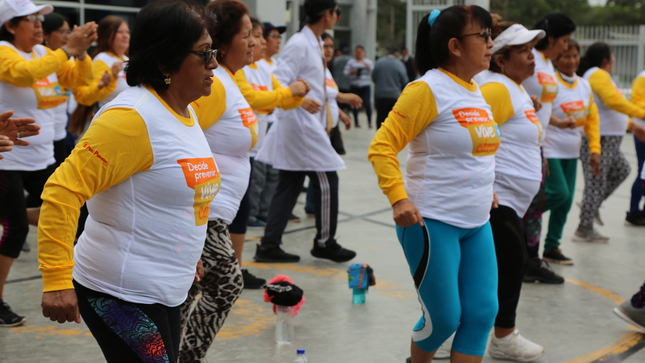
630 314
589 235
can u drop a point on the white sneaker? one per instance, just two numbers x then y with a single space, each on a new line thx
518 349
444 350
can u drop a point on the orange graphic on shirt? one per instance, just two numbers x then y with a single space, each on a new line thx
258 87
549 87
48 94
577 110
249 120
203 176
330 82
530 114
484 132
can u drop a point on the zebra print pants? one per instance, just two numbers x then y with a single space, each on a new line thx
220 288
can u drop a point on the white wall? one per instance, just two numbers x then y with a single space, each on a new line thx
274 11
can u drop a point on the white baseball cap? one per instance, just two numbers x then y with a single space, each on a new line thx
10 9
516 34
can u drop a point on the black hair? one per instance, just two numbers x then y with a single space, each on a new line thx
314 10
326 35
53 21
504 53
432 43
229 14
555 25
359 47
4 32
255 22
162 37
594 56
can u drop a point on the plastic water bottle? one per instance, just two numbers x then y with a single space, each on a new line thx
358 296
284 324
301 357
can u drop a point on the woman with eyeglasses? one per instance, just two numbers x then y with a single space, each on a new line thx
543 86
442 208
148 176
109 79
231 129
32 78
518 175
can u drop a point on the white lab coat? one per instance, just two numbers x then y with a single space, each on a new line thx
299 140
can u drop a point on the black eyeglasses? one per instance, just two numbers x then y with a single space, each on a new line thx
207 55
486 34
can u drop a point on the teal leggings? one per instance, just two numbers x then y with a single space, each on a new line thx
560 190
455 273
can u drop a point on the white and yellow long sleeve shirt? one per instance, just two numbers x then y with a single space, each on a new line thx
264 93
269 66
148 177
299 141
574 100
453 139
34 85
614 109
518 162
544 85
231 130
91 94
638 98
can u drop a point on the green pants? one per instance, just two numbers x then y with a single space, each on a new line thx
560 185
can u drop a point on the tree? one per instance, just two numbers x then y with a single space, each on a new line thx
390 20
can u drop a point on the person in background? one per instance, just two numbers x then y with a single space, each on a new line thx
543 86
389 78
109 78
299 146
30 80
273 37
615 111
359 69
442 209
574 108
148 176
338 72
408 62
636 214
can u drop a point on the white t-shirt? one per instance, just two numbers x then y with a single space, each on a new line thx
332 93
544 86
572 100
121 84
612 123
260 80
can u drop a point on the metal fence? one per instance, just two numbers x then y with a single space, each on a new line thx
627 43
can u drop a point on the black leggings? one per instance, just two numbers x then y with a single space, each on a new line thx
14 204
129 332
512 260
238 225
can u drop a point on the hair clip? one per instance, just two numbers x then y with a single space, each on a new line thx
432 19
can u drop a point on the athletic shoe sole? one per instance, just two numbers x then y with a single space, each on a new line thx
559 262
498 355
13 324
589 240
618 311
542 280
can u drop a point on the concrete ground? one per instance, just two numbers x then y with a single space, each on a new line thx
573 321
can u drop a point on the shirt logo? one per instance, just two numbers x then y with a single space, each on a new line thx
249 120
549 87
577 110
484 132
203 176
530 114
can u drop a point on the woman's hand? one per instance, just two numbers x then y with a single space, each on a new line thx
567 123
17 128
638 131
116 69
61 306
299 88
350 98
345 119
537 105
594 162
5 144
312 106
106 78
406 213
199 271
81 39
495 201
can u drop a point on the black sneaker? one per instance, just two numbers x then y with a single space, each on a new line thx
540 271
332 251
8 318
556 256
635 219
251 281
294 218
273 254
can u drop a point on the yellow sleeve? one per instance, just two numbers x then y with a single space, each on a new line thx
210 108
638 92
288 103
118 136
499 100
20 72
260 100
91 94
75 73
592 128
413 112
602 86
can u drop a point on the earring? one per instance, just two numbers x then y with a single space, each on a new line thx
458 53
167 80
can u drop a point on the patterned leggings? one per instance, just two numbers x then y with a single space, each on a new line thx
614 169
220 288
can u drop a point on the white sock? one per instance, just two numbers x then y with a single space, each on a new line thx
506 339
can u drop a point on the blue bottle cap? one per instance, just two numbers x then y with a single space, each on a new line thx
300 351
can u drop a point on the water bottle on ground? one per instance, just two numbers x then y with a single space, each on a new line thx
358 296
301 357
360 277
284 324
